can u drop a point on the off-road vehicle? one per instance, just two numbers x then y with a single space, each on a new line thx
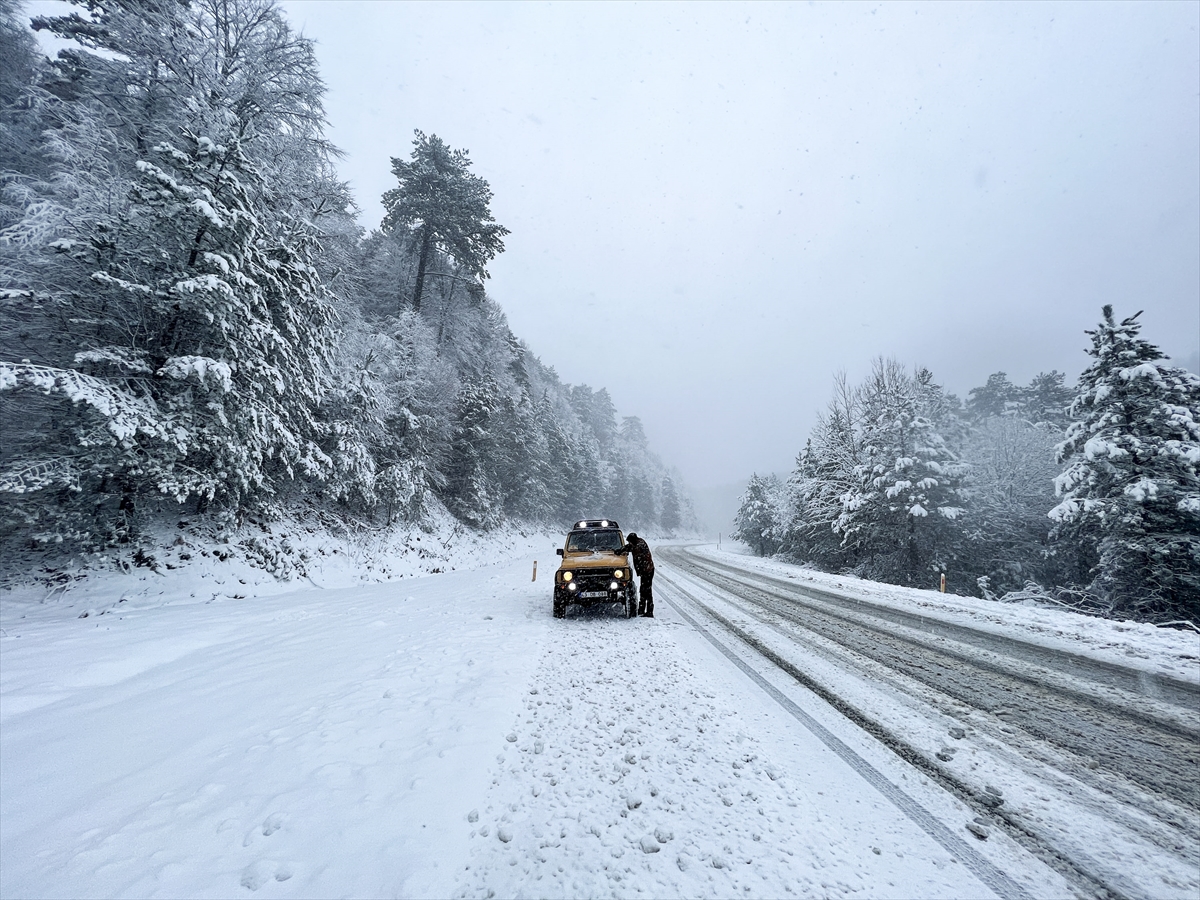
592 571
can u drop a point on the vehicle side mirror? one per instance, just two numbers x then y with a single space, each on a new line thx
559 551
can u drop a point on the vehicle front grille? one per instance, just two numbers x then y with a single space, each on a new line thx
594 581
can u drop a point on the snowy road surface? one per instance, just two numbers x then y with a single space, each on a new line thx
1094 751
445 736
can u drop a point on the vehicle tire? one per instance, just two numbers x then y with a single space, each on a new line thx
560 609
630 604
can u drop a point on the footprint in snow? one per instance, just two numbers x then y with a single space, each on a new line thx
273 823
257 874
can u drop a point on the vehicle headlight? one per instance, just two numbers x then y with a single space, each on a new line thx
572 586
567 576
620 573
613 586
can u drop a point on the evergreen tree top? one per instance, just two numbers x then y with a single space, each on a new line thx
1127 373
439 197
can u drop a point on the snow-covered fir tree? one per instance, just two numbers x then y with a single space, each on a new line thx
1131 483
898 516
757 523
167 265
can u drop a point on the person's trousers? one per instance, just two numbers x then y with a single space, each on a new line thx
646 594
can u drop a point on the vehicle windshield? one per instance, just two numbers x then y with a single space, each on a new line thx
594 540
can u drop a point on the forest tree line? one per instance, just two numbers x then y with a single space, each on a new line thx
193 322
1086 496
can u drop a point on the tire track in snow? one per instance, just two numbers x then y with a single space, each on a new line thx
1148 848
1130 681
982 868
1156 753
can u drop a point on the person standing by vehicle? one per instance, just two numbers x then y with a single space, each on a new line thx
643 564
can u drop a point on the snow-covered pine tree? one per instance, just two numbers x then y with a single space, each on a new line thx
826 470
527 475
757 520
471 491
596 410
386 414
619 490
589 485
443 208
631 455
1132 481
561 463
243 336
1011 488
23 104
807 535
171 260
1045 400
67 421
899 516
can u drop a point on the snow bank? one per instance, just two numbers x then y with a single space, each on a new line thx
189 563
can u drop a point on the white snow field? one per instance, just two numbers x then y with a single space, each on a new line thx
441 736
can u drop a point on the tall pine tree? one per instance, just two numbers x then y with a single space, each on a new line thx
444 208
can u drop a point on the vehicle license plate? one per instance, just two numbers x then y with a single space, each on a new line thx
590 594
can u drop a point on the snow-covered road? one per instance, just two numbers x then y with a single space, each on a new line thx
445 736
1094 751
644 763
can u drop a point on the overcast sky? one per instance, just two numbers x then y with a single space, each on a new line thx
715 206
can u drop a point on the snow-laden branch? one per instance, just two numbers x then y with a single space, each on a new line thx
128 414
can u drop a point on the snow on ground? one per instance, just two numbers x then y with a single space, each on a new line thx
196 740
317 743
195 735
642 765
1134 645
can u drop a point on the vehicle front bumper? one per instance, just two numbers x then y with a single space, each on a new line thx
592 589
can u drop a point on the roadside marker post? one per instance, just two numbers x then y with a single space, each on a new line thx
535 573
943 587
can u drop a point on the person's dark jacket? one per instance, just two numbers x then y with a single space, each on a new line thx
643 562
